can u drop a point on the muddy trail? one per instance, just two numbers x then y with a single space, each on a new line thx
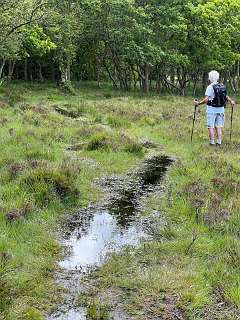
93 232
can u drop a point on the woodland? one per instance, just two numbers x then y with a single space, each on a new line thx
151 45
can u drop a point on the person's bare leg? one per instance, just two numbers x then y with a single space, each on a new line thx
211 135
219 135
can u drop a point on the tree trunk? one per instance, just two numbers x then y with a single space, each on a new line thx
150 85
234 77
194 87
11 65
40 72
238 76
182 80
158 83
204 81
53 72
98 67
68 72
145 78
98 71
134 79
17 72
26 70
9 69
111 77
1 67
31 71
195 79
65 72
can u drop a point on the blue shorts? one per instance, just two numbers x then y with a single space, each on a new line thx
215 120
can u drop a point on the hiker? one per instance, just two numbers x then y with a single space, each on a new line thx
216 98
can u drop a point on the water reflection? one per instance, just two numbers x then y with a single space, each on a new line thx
103 235
71 314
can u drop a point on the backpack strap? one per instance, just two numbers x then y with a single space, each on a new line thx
209 103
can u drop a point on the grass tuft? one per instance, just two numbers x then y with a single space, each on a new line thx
45 184
103 141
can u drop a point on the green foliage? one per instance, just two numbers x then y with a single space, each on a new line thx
67 88
65 32
171 43
13 20
36 43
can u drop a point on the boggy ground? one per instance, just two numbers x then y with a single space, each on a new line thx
54 146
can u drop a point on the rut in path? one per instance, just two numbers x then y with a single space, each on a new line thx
106 227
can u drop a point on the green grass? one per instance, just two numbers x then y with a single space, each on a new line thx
192 264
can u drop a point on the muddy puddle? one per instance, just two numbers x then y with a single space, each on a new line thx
94 232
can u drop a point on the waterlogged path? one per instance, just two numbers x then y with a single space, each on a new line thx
106 227
103 234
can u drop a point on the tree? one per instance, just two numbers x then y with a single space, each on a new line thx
36 44
65 31
18 13
14 16
156 44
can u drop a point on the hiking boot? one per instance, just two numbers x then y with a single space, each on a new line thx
219 142
212 143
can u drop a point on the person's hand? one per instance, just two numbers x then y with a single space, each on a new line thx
196 102
233 103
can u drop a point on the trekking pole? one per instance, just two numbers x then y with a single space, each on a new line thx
194 118
231 123
231 126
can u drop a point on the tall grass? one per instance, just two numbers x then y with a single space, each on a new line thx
191 266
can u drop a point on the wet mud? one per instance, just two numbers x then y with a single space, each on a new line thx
93 232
